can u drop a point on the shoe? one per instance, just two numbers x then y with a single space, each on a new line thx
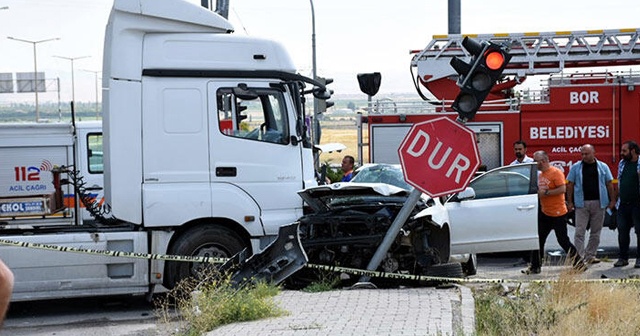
593 260
621 262
531 270
637 264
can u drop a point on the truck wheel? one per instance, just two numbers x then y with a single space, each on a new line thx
202 241
470 267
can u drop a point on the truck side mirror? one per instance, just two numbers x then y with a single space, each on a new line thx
244 93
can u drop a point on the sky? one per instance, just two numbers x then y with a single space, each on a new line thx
352 36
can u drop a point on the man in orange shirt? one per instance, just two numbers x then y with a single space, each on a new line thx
551 189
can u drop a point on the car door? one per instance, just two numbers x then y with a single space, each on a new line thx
502 217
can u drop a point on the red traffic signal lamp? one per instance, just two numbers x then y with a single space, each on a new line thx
478 76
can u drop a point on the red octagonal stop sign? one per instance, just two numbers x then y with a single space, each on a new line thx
439 156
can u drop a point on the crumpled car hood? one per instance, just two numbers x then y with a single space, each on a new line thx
319 197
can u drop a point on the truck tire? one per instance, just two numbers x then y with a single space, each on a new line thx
201 241
470 267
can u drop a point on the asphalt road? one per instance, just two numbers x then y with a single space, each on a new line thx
608 242
115 315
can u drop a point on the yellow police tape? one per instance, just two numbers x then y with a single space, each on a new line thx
352 271
107 253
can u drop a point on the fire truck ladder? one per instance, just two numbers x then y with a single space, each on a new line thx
535 53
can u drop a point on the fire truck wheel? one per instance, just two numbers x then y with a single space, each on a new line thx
201 241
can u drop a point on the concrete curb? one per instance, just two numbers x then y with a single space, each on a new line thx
468 310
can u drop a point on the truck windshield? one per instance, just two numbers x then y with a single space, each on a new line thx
262 119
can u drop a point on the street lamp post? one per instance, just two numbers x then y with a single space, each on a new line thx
73 83
316 122
35 66
96 76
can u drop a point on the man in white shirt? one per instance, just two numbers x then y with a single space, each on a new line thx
520 149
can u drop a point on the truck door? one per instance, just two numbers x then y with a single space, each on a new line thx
90 165
252 149
502 216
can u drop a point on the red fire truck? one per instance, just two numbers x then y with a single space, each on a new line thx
601 108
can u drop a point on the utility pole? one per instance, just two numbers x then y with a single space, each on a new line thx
316 122
73 84
35 66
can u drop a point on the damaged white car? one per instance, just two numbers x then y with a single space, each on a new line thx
348 221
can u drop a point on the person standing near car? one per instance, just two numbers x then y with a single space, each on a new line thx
347 168
551 189
628 201
520 149
589 191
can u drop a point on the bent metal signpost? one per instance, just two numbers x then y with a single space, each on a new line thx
438 157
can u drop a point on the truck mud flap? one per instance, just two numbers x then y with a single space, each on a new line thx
283 257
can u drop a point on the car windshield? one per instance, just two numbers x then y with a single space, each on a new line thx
382 173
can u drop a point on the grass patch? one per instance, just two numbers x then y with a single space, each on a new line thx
327 282
565 307
208 303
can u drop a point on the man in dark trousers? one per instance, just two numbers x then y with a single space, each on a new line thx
551 189
589 192
628 201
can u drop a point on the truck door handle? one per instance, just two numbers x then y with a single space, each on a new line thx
94 188
526 207
226 171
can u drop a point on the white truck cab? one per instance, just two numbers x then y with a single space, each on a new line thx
205 147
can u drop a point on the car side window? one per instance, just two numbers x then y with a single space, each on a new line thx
504 182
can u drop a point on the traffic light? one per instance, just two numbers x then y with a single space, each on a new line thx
324 104
478 76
